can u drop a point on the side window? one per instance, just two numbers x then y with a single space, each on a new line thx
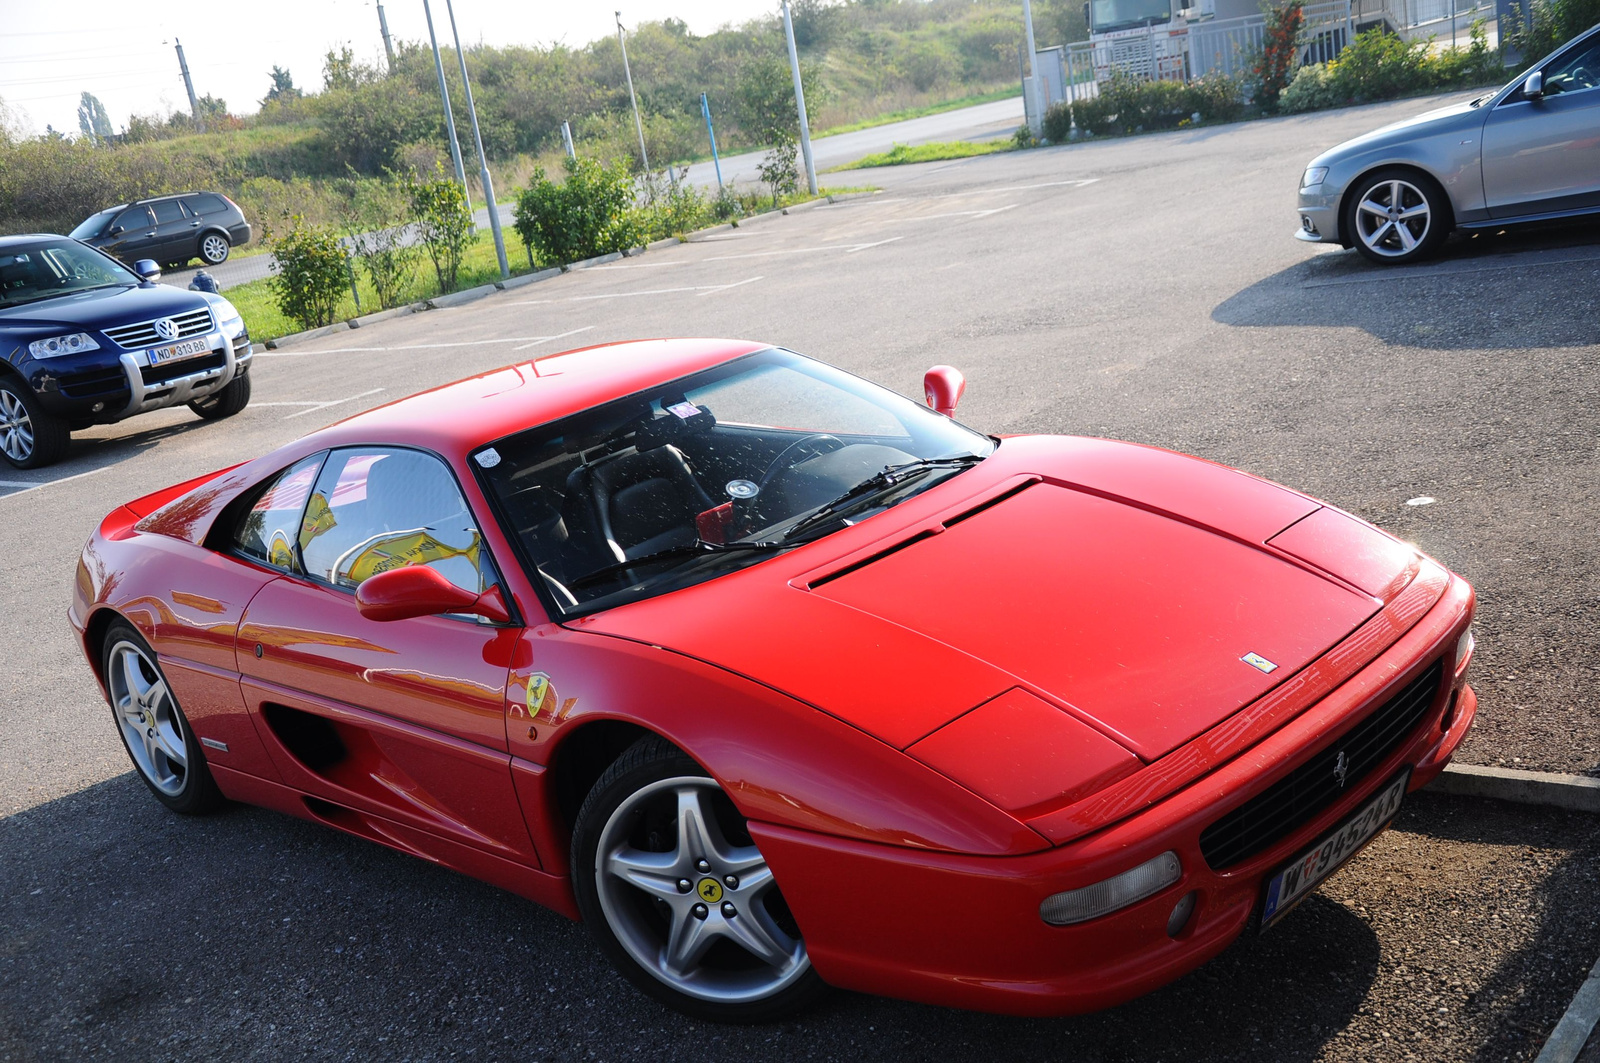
1575 72
207 204
374 509
134 220
267 532
167 210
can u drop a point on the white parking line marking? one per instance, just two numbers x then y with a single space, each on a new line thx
848 249
703 289
953 214
35 486
335 402
526 341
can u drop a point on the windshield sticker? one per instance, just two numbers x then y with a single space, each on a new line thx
488 459
685 410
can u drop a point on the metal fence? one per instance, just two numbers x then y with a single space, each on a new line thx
1228 46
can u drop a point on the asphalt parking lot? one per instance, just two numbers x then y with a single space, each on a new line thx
1143 289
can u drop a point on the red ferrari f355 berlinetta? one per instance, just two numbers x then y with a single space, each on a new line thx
779 680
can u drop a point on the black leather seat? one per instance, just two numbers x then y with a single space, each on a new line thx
643 502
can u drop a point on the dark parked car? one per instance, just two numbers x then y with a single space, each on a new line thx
84 341
169 229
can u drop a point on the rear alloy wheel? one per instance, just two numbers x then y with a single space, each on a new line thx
1397 216
680 898
153 728
30 436
214 248
226 401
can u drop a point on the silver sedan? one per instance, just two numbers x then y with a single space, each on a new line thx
1527 152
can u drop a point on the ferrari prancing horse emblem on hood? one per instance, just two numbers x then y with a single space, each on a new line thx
1255 660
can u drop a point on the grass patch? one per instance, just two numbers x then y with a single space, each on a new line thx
902 154
905 114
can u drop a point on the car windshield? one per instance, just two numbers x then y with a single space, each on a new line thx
51 268
94 225
691 479
1111 15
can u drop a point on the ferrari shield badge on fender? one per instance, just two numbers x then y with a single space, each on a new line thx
540 692
1255 660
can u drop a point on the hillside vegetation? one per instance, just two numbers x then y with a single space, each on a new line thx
861 58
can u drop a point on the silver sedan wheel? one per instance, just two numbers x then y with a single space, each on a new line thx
214 249
1393 218
695 915
16 427
149 718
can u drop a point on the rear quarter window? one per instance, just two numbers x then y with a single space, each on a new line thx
206 203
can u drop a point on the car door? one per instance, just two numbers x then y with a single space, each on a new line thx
1542 154
400 722
132 234
175 240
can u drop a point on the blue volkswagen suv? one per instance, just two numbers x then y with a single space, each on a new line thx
83 341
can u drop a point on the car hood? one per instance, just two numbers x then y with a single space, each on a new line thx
1122 585
101 309
1439 120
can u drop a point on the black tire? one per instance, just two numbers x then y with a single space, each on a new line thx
188 788
1392 239
233 397
213 247
30 435
648 765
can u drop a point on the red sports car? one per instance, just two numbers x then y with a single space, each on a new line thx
779 680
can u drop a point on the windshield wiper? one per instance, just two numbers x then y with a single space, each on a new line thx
889 477
699 548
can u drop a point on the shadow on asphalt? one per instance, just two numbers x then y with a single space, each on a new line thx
129 932
1526 288
90 452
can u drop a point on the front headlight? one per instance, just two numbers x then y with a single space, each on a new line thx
1464 647
1119 891
226 313
1314 176
56 346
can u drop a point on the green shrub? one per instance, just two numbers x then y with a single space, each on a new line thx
444 223
1380 66
1539 27
1312 89
1273 68
374 219
309 272
672 207
590 213
1058 123
1127 104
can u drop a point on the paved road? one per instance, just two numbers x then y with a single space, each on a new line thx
982 122
1143 289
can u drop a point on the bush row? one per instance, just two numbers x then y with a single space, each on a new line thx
1381 66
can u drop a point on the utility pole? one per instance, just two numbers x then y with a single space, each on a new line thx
388 45
188 82
705 109
449 117
637 124
483 160
800 101
1031 84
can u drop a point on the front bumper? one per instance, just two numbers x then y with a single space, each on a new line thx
965 931
114 390
1319 215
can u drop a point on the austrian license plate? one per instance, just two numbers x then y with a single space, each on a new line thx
186 349
1302 875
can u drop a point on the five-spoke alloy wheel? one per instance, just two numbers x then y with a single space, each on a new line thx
679 896
1397 216
152 726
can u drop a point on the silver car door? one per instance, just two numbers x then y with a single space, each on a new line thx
1542 155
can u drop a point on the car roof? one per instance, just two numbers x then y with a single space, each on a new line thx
457 418
20 238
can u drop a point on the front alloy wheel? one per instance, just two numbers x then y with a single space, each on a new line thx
680 897
29 435
1398 217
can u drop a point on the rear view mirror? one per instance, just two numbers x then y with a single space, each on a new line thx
117 230
416 590
943 386
1533 88
147 269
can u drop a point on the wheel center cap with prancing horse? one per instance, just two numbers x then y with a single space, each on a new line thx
710 890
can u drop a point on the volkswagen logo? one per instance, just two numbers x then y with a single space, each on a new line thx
167 328
1341 768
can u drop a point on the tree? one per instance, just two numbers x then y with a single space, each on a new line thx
283 87
374 218
590 213
92 118
211 108
765 105
339 70
444 224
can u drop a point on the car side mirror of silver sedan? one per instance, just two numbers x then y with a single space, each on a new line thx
1533 88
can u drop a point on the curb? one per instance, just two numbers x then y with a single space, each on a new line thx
309 334
1576 793
531 278
470 295
381 315
1567 1040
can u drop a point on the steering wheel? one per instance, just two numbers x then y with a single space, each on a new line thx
813 445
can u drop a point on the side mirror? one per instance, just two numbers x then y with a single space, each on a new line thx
117 230
943 386
147 269
416 590
1533 88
